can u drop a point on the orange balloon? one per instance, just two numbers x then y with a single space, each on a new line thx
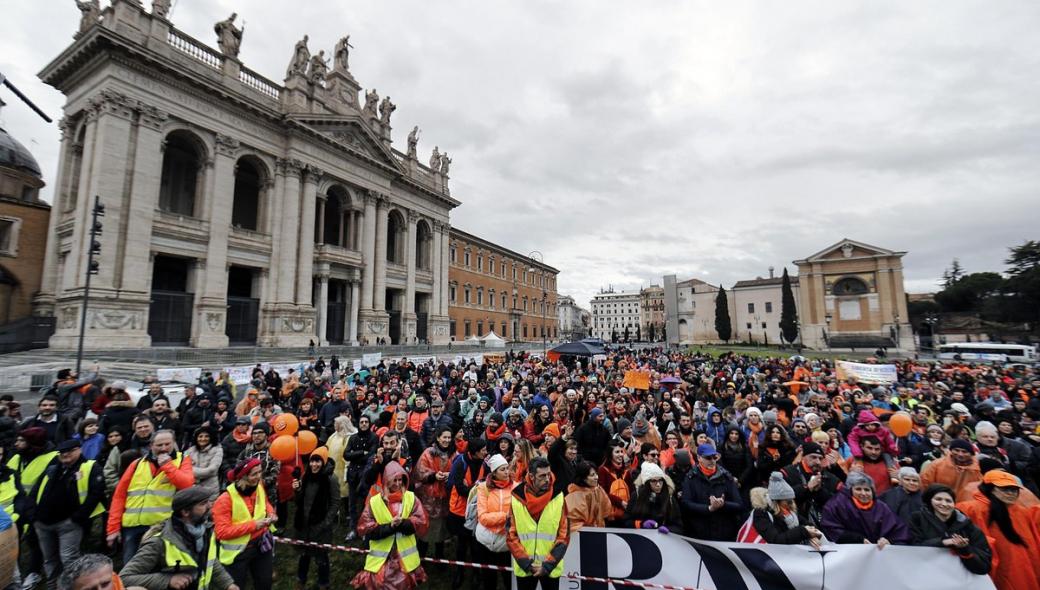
308 442
900 424
286 424
283 448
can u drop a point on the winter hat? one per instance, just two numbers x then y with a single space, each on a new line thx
811 448
649 471
683 459
262 426
769 417
36 437
189 497
553 429
320 452
960 443
243 467
622 424
596 412
959 408
858 478
120 385
778 488
495 461
495 417
754 411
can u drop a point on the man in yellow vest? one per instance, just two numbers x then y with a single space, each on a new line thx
180 553
34 453
145 492
391 520
67 496
243 519
538 530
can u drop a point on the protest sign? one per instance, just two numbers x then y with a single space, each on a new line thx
864 373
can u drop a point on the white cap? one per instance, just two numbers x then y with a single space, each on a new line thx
496 461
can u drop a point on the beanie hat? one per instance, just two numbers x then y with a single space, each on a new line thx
189 497
959 408
595 413
263 427
36 436
495 461
811 448
769 417
858 478
320 452
622 424
243 467
778 488
754 411
960 443
553 429
649 471
496 417
683 459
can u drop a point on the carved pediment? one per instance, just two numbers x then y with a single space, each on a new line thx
351 132
849 249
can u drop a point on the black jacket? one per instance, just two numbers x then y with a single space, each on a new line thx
60 498
361 445
902 503
593 441
701 523
929 531
774 530
810 502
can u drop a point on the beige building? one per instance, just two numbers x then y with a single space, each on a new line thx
651 304
852 296
238 210
615 311
755 306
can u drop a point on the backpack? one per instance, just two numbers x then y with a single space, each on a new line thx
471 507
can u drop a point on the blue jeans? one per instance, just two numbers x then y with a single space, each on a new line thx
132 541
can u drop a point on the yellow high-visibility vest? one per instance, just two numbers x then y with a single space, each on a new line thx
230 548
538 537
379 549
176 559
29 473
149 499
8 491
82 486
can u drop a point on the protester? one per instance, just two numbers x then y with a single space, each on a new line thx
906 499
776 518
587 503
91 571
431 474
243 518
390 522
317 504
1014 530
711 502
937 523
206 459
538 534
855 516
653 505
494 500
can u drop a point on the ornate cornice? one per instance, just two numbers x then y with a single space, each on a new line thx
226 145
111 102
151 117
312 173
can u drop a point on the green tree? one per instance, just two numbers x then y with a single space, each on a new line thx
952 274
788 311
722 323
970 292
1024 276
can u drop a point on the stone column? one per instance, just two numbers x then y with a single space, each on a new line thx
323 306
43 302
435 267
409 293
445 261
320 238
211 291
352 330
289 239
368 252
342 228
305 262
147 172
379 275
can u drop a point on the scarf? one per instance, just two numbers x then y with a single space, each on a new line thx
495 434
862 505
460 446
394 497
243 437
707 472
499 484
535 504
196 531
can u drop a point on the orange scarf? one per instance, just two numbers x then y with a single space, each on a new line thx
861 505
535 504
706 472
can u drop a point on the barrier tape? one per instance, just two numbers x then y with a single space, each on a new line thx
500 568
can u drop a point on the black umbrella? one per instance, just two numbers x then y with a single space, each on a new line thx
578 349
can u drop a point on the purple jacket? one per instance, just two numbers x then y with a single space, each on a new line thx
843 522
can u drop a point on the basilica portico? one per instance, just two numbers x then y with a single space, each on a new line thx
237 210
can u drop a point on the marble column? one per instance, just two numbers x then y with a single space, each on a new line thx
379 276
144 198
368 252
273 224
409 292
207 332
352 330
289 239
435 263
320 237
323 306
43 302
443 286
305 261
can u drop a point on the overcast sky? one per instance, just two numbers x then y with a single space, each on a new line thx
628 140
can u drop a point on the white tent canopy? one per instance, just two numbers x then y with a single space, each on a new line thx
493 340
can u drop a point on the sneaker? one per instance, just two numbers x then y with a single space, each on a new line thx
31 581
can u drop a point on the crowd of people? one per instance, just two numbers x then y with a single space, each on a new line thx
500 462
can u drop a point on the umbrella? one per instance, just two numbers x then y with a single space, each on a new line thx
673 380
578 349
797 358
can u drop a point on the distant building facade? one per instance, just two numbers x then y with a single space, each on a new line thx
755 306
575 322
614 312
238 210
651 307
23 229
492 288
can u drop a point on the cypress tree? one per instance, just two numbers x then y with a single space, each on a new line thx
788 311
722 323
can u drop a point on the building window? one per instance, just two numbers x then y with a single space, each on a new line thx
469 330
480 296
525 303
480 263
491 266
454 256
504 301
491 298
245 209
763 325
514 272
466 296
749 325
480 328
751 308
452 295
9 237
451 328
525 330
503 334
181 173
769 307
466 259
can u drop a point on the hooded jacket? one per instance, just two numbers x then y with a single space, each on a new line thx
859 432
928 531
1015 567
843 522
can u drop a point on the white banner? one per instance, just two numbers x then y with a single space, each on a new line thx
649 556
422 360
865 373
465 360
240 375
356 364
179 374
371 359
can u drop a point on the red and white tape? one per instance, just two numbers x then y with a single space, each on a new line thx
500 568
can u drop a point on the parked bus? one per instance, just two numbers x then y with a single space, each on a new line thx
988 351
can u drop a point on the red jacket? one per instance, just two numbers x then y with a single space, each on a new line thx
181 477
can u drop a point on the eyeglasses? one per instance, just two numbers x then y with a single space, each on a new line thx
653 454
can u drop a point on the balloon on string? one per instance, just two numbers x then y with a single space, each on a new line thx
286 424
900 424
307 442
283 448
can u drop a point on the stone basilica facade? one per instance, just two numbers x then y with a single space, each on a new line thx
237 210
